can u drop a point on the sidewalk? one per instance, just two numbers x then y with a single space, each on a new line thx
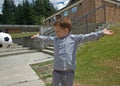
15 70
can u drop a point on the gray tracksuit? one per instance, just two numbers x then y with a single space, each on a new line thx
65 48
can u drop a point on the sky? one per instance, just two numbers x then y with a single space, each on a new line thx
57 3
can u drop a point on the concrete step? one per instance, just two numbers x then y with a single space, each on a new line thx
50 52
13 49
50 48
15 46
4 54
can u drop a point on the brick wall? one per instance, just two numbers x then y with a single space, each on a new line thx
111 12
83 8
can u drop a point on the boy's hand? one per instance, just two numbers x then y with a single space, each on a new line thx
34 36
108 32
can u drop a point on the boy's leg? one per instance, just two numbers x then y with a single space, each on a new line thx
63 78
57 78
68 78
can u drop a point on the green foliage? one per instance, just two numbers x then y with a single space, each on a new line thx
38 19
8 12
43 8
17 35
0 18
49 8
26 13
98 63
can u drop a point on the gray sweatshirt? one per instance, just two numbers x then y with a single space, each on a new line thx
65 48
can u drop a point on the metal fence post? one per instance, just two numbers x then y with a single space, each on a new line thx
86 22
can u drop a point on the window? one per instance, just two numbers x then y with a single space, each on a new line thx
116 5
49 20
74 9
54 18
65 13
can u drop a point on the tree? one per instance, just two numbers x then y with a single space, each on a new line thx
39 7
26 13
49 8
8 12
40 10
18 14
0 18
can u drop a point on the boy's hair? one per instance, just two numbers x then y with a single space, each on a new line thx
64 22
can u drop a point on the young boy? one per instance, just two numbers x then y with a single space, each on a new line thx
65 45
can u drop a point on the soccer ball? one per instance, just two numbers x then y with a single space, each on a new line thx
5 39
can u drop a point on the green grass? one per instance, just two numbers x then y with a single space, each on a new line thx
17 35
44 71
98 63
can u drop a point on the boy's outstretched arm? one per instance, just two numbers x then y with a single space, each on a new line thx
34 36
108 32
93 35
43 38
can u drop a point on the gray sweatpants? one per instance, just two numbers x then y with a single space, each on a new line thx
63 78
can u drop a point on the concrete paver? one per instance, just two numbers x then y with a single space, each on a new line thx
16 70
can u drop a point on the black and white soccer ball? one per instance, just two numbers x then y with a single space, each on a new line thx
5 39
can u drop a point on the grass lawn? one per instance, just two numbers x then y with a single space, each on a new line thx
98 63
23 34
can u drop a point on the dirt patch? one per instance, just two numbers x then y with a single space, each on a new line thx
44 71
76 83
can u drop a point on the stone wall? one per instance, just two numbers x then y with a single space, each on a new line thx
28 42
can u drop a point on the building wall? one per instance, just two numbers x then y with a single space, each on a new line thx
82 9
19 28
112 13
100 14
109 13
85 7
14 31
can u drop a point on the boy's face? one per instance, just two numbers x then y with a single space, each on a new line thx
60 32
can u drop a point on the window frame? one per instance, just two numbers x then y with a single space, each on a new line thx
74 9
65 13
